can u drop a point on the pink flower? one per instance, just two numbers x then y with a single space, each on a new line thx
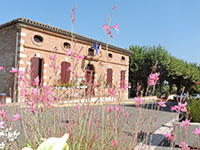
34 91
176 108
69 69
52 57
81 57
138 101
162 104
139 87
58 67
96 84
52 64
107 29
1 124
125 87
1 104
114 143
16 117
185 124
112 92
78 106
153 78
36 81
115 27
14 70
183 146
110 108
69 52
197 131
168 135
2 68
151 83
127 114
117 108
182 106
179 107
3 113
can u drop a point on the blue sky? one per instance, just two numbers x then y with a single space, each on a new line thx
175 24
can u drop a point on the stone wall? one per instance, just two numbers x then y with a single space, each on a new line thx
7 59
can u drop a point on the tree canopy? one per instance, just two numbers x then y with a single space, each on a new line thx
174 72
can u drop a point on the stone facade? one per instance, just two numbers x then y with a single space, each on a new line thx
53 41
7 58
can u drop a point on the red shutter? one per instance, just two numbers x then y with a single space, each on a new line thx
42 72
34 68
122 83
65 74
37 69
109 77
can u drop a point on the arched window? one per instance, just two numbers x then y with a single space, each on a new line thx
109 77
65 72
90 52
37 69
66 45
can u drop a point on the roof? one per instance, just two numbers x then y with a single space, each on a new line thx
60 31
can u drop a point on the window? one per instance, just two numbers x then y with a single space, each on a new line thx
123 58
90 52
65 72
109 77
122 81
38 39
37 67
110 55
66 45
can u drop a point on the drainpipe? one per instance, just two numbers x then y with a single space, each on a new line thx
15 97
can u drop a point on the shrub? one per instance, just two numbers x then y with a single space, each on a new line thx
194 109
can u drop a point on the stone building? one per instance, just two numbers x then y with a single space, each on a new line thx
24 42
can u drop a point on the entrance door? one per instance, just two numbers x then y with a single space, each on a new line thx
90 80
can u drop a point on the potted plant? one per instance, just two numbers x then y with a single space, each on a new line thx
189 122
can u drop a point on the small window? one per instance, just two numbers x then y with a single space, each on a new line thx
66 45
110 55
38 39
91 52
123 58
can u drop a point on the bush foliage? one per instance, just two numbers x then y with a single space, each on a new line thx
194 108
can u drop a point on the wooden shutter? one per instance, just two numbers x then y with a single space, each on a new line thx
65 74
42 72
109 77
122 82
34 68
37 69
